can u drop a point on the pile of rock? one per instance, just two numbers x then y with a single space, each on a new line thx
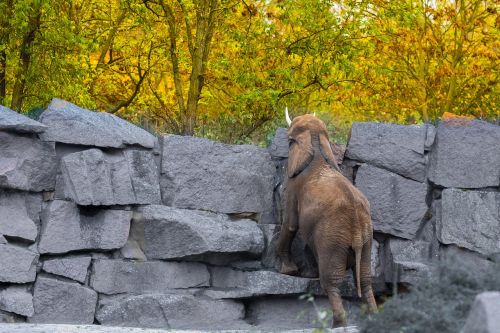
434 192
102 222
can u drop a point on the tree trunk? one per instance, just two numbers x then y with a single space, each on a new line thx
25 57
205 24
3 72
172 33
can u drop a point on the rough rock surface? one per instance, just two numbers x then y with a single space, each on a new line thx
117 276
466 154
27 163
74 267
270 256
284 313
45 328
229 283
16 299
176 233
376 267
19 214
132 250
175 311
430 136
71 124
470 219
407 261
10 318
397 204
397 148
91 177
66 227
16 122
18 264
279 146
62 302
471 260
483 316
198 173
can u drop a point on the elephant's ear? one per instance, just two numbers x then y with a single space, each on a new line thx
300 154
326 151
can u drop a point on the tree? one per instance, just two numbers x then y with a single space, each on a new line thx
429 57
225 69
199 21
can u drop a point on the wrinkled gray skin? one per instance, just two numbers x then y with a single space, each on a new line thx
331 215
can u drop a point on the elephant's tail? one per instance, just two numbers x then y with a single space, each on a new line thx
357 254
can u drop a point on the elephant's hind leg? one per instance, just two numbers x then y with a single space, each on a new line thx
331 273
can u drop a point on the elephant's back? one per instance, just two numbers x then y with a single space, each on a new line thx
333 208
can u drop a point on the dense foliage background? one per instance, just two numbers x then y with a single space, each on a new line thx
225 69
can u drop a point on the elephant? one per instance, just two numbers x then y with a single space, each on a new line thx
330 213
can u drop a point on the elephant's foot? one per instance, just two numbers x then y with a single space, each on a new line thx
337 325
289 268
339 320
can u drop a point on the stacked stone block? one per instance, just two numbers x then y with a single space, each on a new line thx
102 222
434 192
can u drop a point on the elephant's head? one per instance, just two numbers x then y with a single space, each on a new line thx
307 138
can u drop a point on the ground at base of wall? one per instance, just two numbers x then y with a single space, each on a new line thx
60 328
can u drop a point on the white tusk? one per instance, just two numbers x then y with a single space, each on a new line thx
288 120
314 114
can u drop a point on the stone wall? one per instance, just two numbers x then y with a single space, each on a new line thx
102 222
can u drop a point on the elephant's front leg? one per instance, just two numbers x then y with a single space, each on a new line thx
284 250
288 231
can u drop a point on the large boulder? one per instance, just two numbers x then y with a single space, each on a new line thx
279 146
19 214
16 122
201 174
397 148
230 283
67 227
27 163
18 264
288 313
71 124
398 204
483 316
466 154
61 302
171 311
118 276
407 261
179 233
92 177
74 267
466 258
17 299
470 219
